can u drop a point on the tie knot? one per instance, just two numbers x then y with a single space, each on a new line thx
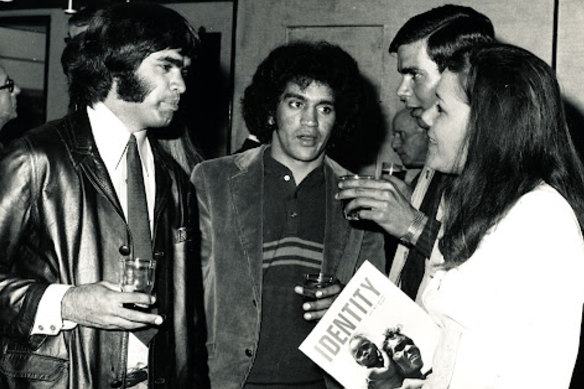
132 139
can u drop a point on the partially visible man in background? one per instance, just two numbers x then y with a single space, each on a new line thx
410 142
8 93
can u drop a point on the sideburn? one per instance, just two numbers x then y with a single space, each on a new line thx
131 88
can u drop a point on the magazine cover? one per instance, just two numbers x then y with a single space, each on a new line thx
373 335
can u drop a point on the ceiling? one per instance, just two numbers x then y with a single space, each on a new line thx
33 4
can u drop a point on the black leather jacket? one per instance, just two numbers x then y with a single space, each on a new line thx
61 222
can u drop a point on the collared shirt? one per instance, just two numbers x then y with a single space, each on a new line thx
293 244
111 138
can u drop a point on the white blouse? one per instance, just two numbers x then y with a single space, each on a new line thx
510 315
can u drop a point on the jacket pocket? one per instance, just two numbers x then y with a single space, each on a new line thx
19 364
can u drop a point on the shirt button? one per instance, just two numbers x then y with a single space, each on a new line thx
53 328
287 177
248 352
41 328
293 214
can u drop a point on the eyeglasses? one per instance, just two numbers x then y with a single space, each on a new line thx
9 84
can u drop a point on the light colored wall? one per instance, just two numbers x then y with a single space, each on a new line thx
22 54
56 83
570 53
365 29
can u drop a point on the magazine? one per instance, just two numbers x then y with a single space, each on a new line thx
370 320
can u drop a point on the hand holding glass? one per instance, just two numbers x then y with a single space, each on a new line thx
315 281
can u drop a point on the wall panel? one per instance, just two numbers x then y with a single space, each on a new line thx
570 53
570 65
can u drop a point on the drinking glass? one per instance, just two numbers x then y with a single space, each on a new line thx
137 275
393 169
315 281
353 215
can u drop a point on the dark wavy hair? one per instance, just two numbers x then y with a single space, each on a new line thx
517 137
82 17
115 43
303 62
447 28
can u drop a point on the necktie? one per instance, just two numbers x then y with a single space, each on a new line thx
415 266
138 218
137 206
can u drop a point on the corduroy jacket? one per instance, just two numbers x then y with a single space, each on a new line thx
230 196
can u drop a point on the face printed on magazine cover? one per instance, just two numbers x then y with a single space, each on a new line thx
366 353
406 355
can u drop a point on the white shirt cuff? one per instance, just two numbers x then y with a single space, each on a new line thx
48 319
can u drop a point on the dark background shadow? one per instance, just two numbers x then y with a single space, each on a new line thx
359 148
204 107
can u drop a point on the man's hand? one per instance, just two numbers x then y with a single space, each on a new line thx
405 189
101 305
412 383
385 202
314 310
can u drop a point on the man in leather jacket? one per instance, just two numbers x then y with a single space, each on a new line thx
64 323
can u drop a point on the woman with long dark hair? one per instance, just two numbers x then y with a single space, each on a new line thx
509 293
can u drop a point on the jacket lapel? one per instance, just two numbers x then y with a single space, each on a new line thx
337 229
247 189
85 155
163 181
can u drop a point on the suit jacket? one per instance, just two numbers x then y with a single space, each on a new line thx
408 267
61 222
415 266
230 196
